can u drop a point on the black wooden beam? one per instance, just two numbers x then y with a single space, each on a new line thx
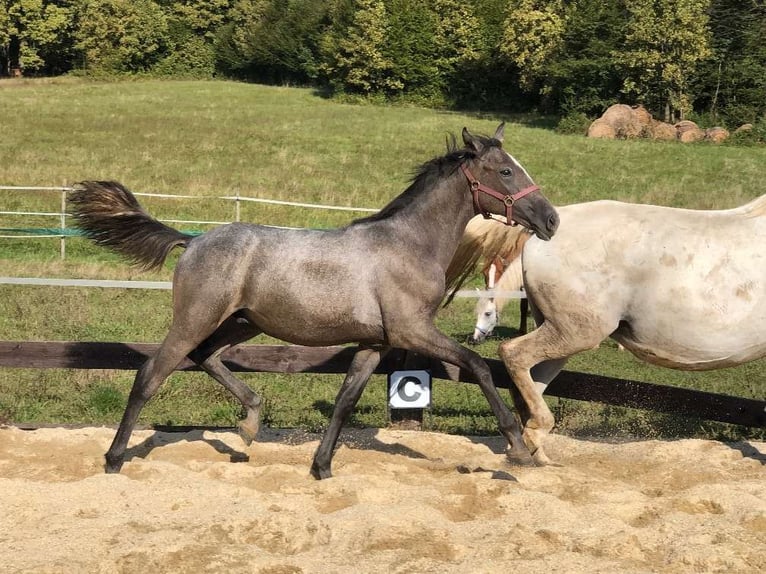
296 359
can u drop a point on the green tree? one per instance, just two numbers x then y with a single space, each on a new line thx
459 44
585 75
411 47
204 17
353 50
120 36
532 35
192 26
731 85
28 29
276 41
234 41
664 43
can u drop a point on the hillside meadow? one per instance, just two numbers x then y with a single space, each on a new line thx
212 139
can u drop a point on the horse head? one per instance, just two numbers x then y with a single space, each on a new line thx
501 186
487 318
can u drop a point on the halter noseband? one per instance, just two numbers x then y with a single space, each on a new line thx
507 199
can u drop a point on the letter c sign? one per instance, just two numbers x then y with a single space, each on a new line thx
409 390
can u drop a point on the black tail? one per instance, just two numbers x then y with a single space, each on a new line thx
110 215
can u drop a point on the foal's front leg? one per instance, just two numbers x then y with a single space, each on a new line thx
428 340
362 366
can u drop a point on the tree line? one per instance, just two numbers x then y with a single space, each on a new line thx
677 57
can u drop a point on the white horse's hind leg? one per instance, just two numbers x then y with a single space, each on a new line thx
546 347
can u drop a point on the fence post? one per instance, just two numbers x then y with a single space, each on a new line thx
63 221
236 208
408 419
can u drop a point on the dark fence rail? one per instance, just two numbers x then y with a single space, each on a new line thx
296 359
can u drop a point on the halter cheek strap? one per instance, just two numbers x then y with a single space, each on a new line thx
507 199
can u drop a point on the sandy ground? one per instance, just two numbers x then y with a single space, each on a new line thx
400 501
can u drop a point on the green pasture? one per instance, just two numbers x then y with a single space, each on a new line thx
214 139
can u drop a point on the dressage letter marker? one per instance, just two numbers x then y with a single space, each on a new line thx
409 390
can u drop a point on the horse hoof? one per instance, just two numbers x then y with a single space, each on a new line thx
112 466
541 459
319 473
247 433
519 457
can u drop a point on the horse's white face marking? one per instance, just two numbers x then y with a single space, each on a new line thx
486 319
521 167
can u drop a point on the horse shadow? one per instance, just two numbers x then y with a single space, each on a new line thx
163 438
748 451
366 439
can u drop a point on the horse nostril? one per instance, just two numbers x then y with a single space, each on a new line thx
553 221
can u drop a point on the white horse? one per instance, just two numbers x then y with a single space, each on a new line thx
679 288
492 301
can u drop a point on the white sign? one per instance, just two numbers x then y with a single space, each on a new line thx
409 390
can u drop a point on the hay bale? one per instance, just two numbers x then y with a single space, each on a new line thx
744 128
690 135
601 129
716 134
622 119
684 126
618 115
642 117
662 131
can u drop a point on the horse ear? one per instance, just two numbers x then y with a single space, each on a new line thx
472 142
451 143
500 132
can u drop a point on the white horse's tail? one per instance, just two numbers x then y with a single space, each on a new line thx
484 239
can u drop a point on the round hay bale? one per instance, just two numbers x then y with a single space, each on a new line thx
690 135
744 128
716 134
685 126
662 131
622 119
642 116
601 129
618 115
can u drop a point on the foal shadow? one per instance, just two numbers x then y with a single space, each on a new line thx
161 439
749 451
366 439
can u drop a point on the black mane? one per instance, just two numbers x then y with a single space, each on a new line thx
428 174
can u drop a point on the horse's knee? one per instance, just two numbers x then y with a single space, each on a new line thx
505 349
541 420
509 353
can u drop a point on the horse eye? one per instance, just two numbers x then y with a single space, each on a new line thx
487 313
506 172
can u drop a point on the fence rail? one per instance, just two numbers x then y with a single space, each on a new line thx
63 232
297 359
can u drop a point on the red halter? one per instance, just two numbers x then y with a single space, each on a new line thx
507 199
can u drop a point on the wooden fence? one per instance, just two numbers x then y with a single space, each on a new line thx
296 359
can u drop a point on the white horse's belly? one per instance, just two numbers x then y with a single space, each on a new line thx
699 345
689 321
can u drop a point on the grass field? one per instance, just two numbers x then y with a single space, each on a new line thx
220 138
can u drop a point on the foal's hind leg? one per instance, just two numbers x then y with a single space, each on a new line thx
207 355
543 345
362 366
148 379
